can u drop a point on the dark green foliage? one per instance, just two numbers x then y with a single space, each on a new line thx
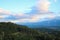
11 31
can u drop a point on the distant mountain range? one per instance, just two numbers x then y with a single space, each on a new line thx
53 23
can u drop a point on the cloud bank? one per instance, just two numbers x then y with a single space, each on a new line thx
41 13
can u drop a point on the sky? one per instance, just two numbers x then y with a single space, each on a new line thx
17 5
29 10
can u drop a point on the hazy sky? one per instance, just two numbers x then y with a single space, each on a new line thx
29 10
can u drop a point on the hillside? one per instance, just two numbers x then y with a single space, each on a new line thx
12 31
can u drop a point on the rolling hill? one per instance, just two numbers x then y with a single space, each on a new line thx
12 31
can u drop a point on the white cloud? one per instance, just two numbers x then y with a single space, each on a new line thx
35 18
4 12
3 16
22 17
43 5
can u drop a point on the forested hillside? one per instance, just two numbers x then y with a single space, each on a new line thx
12 31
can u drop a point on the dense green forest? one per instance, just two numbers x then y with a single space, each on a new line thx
12 31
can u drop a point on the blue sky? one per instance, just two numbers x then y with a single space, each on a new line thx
17 5
25 5
29 10
54 7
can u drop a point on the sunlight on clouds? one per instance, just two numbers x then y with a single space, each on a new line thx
2 11
43 5
41 15
36 18
22 17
